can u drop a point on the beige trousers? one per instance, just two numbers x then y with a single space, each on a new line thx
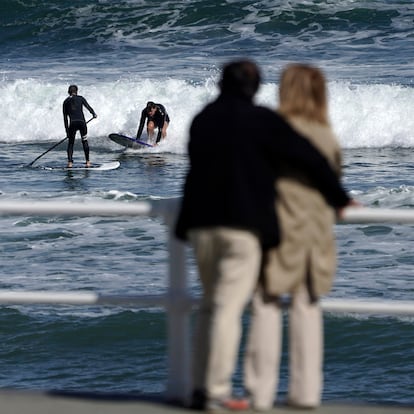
229 263
262 360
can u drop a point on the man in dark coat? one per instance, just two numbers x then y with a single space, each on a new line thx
228 214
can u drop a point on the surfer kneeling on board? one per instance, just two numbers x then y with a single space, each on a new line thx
157 118
74 121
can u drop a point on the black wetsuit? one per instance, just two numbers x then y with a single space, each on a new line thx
73 109
159 118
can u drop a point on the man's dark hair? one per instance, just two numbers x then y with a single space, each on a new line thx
240 78
150 105
72 89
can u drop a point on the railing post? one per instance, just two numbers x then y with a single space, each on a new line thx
179 305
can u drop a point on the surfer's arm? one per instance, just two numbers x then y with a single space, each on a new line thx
88 107
141 123
163 114
159 133
65 119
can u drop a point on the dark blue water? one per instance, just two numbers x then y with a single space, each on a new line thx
122 54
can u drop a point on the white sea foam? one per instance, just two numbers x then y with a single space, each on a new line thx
363 115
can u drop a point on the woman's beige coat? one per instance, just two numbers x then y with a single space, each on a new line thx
306 223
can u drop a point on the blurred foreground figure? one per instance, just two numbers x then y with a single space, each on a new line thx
303 265
228 214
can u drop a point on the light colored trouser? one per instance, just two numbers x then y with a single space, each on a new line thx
229 263
264 350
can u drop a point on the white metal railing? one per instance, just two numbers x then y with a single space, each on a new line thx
178 302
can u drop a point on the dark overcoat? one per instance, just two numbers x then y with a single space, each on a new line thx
235 148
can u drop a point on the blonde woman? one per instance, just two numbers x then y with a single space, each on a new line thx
303 265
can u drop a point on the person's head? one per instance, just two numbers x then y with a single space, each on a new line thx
240 78
151 108
73 90
302 92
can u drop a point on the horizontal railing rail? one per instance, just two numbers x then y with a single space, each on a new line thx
168 208
177 301
385 307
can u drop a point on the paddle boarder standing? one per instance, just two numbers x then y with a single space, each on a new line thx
74 121
157 118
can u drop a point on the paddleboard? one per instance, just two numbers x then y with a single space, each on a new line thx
128 142
106 166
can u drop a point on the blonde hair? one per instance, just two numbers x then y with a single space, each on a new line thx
302 92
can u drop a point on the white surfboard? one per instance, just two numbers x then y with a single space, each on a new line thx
106 166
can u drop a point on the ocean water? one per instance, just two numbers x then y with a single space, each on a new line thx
122 54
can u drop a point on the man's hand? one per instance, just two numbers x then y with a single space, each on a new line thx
352 203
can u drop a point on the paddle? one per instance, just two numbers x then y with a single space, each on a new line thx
50 149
